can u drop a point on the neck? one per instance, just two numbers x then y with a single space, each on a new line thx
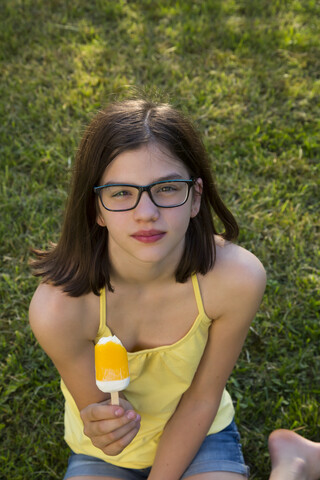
140 274
128 270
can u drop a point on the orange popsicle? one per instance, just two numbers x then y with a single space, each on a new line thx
112 371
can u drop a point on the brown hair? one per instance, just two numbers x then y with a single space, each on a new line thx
79 262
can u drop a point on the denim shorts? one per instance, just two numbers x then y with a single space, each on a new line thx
220 452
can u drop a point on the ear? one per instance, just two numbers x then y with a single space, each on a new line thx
99 218
196 197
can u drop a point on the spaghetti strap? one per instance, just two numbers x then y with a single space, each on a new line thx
197 292
103 309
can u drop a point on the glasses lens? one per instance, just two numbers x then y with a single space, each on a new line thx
119 197
169 194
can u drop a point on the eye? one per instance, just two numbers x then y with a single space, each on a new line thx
118 192
168 188
121 193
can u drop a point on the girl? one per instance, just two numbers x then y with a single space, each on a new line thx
140 257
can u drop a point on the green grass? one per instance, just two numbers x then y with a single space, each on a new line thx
247 72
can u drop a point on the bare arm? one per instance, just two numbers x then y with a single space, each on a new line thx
65 327
199 405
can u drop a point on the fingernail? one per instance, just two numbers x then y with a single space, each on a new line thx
131 415
118 412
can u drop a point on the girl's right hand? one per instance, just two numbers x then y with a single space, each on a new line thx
110 427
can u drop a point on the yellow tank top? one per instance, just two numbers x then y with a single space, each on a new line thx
158 378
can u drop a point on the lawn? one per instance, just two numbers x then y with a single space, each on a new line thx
247 73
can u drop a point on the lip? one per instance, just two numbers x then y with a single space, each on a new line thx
148 236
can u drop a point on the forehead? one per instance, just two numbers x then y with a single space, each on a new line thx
143 165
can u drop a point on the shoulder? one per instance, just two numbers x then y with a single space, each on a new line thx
54 315
236 262
51 307
238 277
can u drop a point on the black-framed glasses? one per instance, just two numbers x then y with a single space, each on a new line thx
164 194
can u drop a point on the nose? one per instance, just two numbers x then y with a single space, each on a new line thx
146 209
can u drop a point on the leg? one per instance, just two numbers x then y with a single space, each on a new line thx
86 467
293 457
93 478
218 476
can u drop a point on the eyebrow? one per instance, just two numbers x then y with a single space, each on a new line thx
172 176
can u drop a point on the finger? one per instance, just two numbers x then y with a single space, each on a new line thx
116 447
99 411
106 426
115 435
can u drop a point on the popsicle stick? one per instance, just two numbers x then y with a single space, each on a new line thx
114 398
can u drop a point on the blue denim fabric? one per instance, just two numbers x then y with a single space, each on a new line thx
220 452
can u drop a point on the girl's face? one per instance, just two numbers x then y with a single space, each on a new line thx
148 233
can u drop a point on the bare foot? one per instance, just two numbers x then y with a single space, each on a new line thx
293 457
